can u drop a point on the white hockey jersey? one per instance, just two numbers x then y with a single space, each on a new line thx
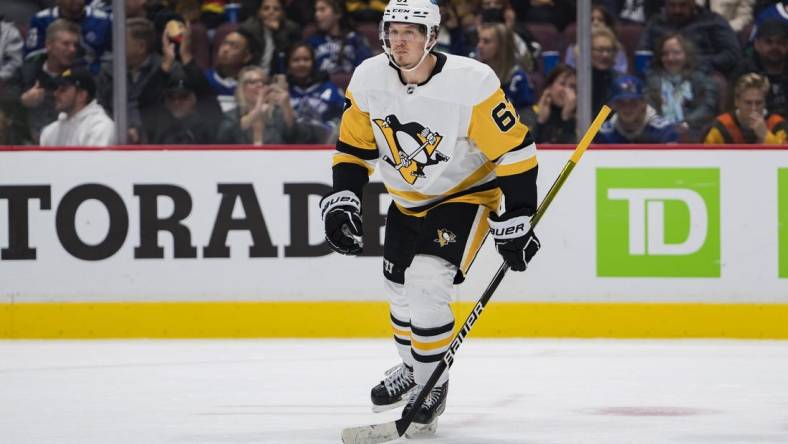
445 140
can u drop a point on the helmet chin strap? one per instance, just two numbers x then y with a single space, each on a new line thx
427 49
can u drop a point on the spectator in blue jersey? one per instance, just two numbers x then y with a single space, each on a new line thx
236 51
316 101
95 24
496 48
634 120
679 92
716 44
337 48
263 116
36 78
274 33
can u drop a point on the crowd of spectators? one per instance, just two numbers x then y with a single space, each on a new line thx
274 71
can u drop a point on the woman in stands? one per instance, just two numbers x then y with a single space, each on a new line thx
263 116
604 47
274 33
337 48
553 120
496 48
316 101
600 17
680 92
749 122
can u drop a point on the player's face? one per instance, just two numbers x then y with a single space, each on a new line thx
407 43
488 44
751 100
772 49
673 56
300 63
603 53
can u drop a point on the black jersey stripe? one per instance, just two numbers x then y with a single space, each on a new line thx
361 153
527 141
399 323
435 331
483 187
401 341
426 359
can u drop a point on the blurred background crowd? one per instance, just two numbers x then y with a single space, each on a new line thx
274 71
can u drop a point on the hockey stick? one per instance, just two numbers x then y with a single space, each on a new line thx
389 431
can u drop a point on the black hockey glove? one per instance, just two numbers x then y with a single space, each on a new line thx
342 219
514 238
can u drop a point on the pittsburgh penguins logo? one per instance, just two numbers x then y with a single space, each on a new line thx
412 145
445 237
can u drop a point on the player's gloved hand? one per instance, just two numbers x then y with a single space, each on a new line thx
341 212
514 238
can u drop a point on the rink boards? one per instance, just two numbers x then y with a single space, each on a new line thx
675 242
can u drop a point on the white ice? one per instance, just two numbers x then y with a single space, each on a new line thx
306 391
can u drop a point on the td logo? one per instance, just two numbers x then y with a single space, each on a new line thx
658 222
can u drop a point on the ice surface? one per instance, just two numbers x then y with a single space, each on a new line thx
306 391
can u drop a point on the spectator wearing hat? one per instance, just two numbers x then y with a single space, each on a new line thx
95 25
749 122
183 117
716 43
236 51
767 57
273 32
634 120
82 121
777 10
36 78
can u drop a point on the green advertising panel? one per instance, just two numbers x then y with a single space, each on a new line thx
782 221
658 222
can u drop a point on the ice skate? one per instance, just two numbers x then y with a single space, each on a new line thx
425 423
393 390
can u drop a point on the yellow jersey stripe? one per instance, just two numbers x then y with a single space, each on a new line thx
399 332
347 158
431 345
494 126
473 179
516 168
355 129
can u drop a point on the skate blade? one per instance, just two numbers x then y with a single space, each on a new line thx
387 407
416 431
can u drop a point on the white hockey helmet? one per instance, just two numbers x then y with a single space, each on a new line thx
419 12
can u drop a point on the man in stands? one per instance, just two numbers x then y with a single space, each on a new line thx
95 24
37 75
237 50
82 121
767 58
634 120
716 42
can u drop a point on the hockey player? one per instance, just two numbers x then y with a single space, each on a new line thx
451 145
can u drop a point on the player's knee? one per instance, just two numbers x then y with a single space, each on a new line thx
396 295
428 282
